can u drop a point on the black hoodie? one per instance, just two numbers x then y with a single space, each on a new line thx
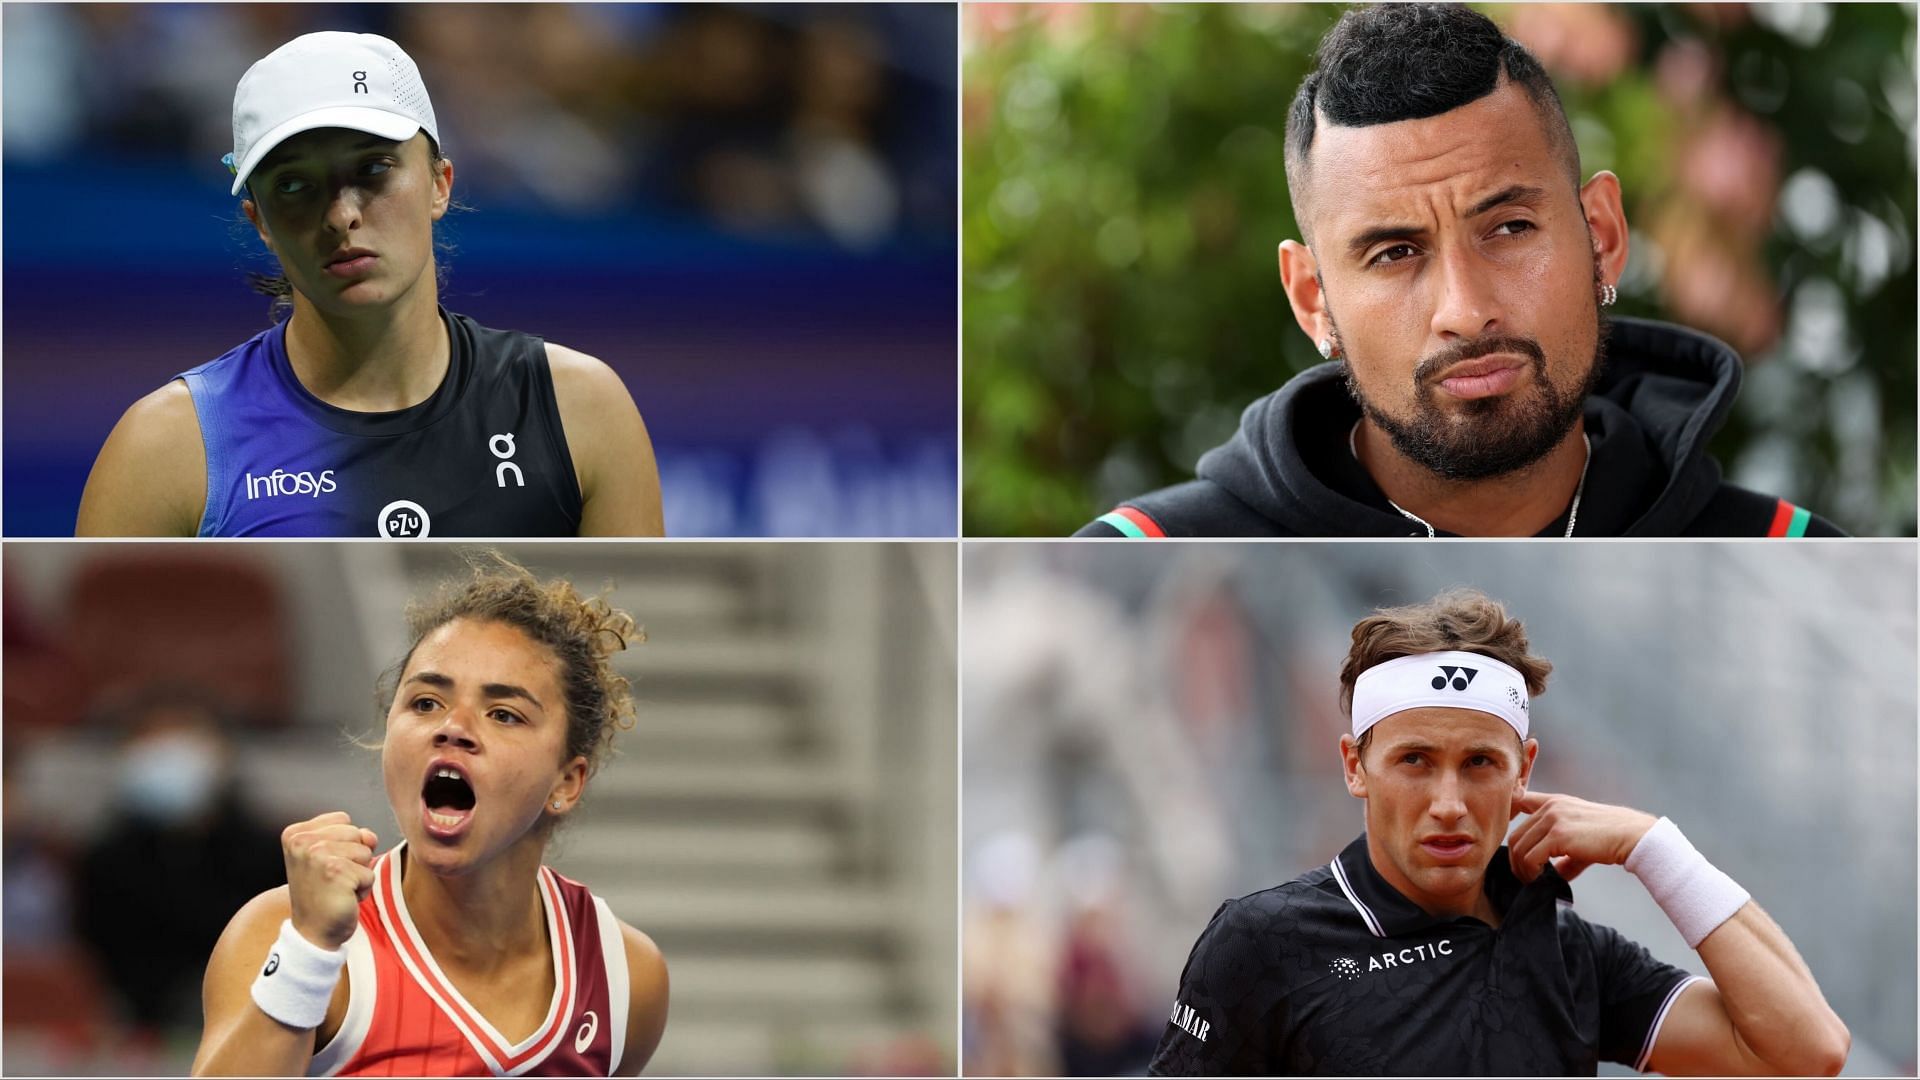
1665 390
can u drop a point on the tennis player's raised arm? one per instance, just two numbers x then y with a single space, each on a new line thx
646 1001
612 455
276 986
238 1039
1761 1015
151 476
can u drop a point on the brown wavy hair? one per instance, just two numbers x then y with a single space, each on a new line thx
582 632
1464 620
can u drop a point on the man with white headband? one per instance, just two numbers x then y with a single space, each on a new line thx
370 409
1428 948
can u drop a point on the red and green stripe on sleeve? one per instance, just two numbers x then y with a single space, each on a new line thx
1132 522
1788 520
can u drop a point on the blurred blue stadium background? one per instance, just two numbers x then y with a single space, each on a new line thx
747 210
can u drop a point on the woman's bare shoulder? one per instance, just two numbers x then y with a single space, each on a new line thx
646 999
151 476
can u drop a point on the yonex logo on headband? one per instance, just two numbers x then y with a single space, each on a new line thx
1453 679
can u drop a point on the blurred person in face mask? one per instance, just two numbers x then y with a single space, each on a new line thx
179 852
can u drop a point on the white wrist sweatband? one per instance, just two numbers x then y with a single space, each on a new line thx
1693 892
297 982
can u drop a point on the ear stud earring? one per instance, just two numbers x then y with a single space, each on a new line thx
1326 349
1608 294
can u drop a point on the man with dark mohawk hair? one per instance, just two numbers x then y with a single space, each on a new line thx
1454 271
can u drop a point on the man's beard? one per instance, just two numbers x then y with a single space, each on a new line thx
1499 434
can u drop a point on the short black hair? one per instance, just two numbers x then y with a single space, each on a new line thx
1396 62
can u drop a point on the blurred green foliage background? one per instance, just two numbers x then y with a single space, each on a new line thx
1124 197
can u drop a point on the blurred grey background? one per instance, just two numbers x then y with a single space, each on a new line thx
1149 730
781 820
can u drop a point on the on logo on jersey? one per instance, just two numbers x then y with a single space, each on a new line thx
501 446
282 482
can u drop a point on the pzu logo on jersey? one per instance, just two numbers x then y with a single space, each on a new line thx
404 519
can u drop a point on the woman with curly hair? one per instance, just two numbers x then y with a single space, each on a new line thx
456 953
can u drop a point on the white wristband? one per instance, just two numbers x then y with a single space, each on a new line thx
297 982
1694 893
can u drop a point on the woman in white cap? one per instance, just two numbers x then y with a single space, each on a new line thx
371 410
456 952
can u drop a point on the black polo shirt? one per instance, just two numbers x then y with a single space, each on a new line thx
1337 974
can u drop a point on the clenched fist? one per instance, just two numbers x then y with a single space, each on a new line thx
329 871
1572 833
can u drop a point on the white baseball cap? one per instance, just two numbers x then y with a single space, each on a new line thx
327 79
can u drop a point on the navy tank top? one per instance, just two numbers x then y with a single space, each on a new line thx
483 456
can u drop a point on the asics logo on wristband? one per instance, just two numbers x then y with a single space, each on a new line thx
299 979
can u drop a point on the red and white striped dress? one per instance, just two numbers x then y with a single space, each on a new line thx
405 1018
